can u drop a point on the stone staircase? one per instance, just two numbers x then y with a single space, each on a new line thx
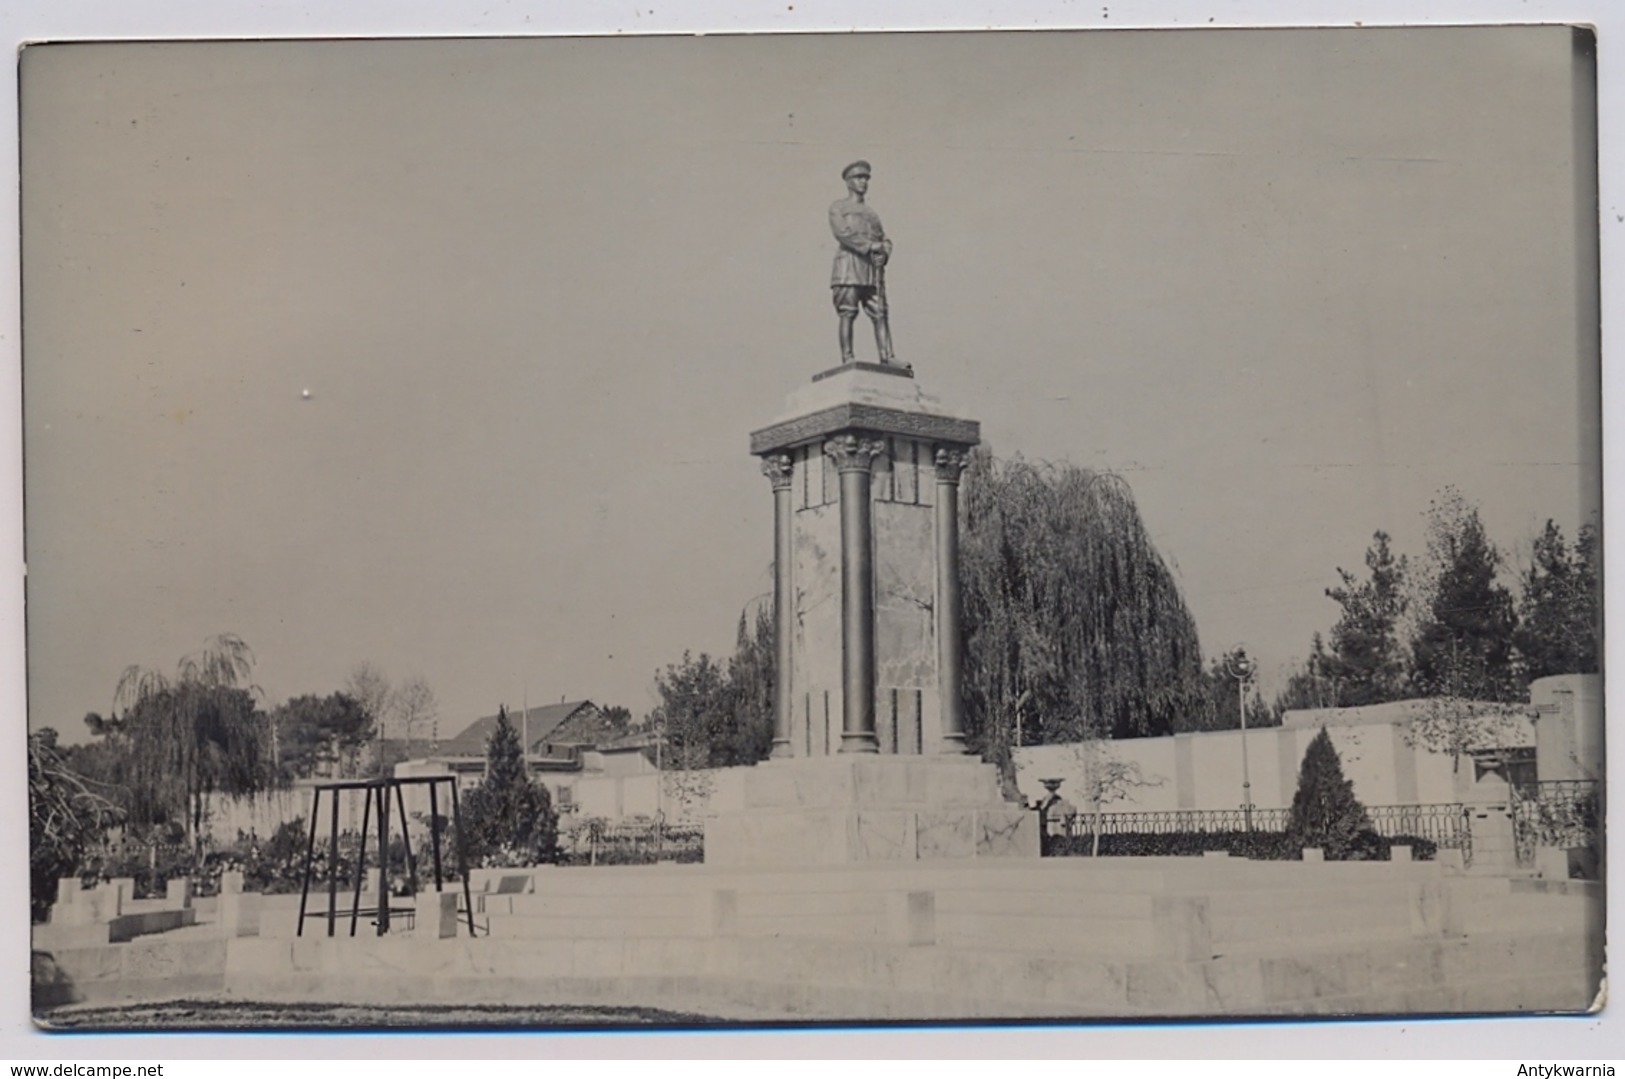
1057 938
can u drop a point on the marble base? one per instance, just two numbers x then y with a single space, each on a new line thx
843 810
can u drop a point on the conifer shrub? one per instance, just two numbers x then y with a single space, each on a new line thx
509 819
1325 812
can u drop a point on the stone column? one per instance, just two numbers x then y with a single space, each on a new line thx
854 458
779 469
950 462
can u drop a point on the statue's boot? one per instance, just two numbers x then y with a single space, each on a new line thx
846 337
883 341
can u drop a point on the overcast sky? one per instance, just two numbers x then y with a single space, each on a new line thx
1289 283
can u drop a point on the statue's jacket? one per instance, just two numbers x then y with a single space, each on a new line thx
858 230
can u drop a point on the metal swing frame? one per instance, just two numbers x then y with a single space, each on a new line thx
379 791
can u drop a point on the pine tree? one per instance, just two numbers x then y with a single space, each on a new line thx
1463 648
1325 812
1366 664
1308 686
1558 611
509 818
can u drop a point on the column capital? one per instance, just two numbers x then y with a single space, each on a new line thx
778 468
853 453
951 461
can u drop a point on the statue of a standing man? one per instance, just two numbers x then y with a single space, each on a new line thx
859 276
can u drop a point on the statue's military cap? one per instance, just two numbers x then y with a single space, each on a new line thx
856 166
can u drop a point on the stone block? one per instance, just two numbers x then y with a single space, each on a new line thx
436 915
178 893
945 833
1314 854
68 890
124 889
74 915
1309 978
599 958
1006 831
1215 854
231 882
911 917
1552 863
717 912
129 926
880 835
1450 858
1235 984
1181 927
1166 987
1399 853
238 914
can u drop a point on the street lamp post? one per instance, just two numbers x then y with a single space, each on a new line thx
1241 667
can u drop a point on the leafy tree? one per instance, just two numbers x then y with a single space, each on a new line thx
1558 613
748 721
1366 664
509 818
369 686
401 714
311 730
1453 722
1217 705
193 734
67 815
713 715
1325 812
1107 778
1308 686
694 701
415 710
1073 623
1463 646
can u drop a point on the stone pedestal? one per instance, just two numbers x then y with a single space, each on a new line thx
436 915
869 756
865 471
850 809
178 893
239 913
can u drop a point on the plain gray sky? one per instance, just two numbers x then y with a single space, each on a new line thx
1290 283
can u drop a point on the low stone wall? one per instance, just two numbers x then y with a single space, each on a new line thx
1068 938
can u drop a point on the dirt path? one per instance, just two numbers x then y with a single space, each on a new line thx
250 1015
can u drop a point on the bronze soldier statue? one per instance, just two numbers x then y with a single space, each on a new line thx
859 275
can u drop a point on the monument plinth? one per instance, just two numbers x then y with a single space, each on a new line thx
868 744
865 469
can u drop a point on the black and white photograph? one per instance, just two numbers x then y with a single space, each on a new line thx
746 530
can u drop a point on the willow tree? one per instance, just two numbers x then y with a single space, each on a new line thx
1074 626
68 813
193 733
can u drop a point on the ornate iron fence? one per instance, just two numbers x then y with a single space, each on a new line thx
1172 821
599 842
1445 824
1561 813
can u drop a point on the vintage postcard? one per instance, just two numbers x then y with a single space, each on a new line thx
683 531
